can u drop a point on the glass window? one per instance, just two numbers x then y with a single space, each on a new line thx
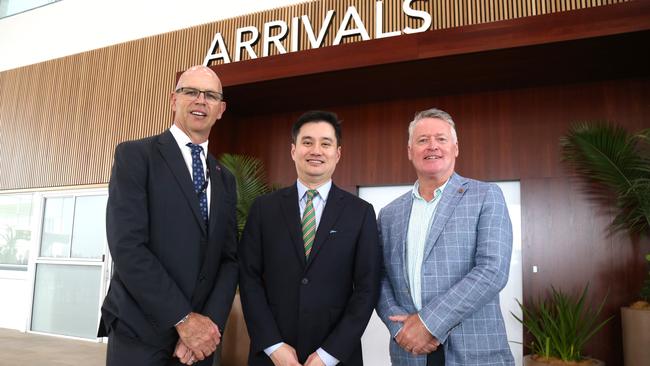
15 230
74 227
66 300
57 227
89 230
68 280
12 7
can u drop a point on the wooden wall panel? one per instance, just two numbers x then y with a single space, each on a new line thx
503 134
564 235
445 14
60 119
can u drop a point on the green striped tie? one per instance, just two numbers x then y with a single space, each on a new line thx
309 222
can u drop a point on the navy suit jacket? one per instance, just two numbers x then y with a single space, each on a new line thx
325 301
167 263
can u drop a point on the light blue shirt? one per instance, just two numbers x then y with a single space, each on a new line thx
422 213
319 202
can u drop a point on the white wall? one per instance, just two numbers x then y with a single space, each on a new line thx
14 306
74 26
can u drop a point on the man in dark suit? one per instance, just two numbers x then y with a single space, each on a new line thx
172 234
309 260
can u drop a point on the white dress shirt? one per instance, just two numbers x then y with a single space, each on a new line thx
319 202
182 139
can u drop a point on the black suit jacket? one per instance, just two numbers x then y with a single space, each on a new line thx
325 301
166 262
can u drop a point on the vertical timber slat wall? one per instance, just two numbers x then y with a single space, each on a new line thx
61 119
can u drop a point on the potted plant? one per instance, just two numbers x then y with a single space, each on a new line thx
560 325
251 183
635 320
644 303
615 165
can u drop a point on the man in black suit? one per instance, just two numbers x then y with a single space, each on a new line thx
309 260
171 231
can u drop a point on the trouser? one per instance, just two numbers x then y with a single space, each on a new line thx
437 357
123 350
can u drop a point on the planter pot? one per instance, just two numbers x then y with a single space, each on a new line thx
636 336
235 342
530 360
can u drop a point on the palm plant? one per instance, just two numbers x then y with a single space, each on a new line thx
614 164
251 182
561 325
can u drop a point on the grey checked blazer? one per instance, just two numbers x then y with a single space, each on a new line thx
466 263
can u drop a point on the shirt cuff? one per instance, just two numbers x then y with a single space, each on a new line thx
182 320
272 349
425 326
327 359
399 330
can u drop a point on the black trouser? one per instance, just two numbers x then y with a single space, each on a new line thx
123 350
437 357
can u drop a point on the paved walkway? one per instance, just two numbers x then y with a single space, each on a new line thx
26 349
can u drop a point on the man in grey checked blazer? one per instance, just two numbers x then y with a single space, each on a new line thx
446 250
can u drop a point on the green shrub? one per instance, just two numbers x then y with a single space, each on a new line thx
561 324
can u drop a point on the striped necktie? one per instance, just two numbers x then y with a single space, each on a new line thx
309 222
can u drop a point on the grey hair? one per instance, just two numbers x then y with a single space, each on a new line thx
433 113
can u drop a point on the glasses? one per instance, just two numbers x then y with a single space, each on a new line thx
210 96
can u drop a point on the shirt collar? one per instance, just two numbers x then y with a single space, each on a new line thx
182 139
323 190
436 194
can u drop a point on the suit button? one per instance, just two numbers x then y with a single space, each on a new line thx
305 281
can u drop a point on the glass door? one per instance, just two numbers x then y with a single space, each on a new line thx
71 265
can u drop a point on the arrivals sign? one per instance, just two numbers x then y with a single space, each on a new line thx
273 32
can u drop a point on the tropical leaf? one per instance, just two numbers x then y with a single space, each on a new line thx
561 324
614 165
251 182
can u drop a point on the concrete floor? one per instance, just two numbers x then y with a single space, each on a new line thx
26 349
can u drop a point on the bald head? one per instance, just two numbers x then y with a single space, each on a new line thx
199 72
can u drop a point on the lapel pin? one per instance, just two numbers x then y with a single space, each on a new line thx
332 231
460 190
